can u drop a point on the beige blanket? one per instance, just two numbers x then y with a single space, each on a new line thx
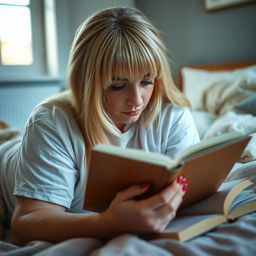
7 132
221 96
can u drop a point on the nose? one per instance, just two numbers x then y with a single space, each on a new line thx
135 96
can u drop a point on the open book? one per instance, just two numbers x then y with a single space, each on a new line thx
204 165
230 202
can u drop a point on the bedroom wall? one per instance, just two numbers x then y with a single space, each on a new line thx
18 98
70 14
79 10
194 36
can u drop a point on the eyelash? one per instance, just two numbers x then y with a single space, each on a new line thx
117 88
120 87
147 82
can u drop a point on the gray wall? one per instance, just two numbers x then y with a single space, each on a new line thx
194 36
70 14
81 9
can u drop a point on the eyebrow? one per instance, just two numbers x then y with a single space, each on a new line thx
125 79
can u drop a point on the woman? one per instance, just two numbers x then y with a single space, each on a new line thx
121 92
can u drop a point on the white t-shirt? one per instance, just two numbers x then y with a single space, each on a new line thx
48 162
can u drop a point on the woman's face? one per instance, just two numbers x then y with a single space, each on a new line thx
126 99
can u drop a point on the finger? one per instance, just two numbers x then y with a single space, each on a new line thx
166 213
175 202
166 195
170 208
131 192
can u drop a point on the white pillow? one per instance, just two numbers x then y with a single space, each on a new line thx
243 123
232 121
195 81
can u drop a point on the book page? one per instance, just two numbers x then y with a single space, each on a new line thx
210 205
244 197
233 194
164 160
182 222
185 228
209 143
214 204
137 154
190 226
243 209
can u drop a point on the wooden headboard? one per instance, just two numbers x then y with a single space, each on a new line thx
225 66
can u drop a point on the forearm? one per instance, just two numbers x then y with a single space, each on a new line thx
38 220
58 226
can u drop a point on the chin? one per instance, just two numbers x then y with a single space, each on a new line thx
132 120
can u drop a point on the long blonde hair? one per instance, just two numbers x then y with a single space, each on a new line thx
116 42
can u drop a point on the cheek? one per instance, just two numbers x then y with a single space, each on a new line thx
148 94
112 102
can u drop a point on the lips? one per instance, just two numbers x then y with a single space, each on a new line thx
132 113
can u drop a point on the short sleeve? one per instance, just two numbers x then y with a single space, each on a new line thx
182 131
46 167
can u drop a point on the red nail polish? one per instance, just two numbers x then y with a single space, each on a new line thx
183 180
185 187
179 179
144 185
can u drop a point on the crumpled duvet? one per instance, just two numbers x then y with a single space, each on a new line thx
236 238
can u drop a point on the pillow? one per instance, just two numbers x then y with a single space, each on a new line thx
195 81
243 123
247 105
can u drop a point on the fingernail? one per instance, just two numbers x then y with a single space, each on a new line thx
144 185
181 180
185 187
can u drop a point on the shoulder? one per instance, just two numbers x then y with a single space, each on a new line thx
56 133
47 113
174 109
178 129
51 115
172 119
50 123
174 113
177 121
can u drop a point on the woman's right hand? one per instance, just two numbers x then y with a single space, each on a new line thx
125 214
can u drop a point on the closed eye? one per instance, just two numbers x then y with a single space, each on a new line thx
116 87
146 82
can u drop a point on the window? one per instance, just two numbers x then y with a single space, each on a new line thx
15 34
24 37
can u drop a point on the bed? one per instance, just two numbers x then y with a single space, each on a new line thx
223 98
